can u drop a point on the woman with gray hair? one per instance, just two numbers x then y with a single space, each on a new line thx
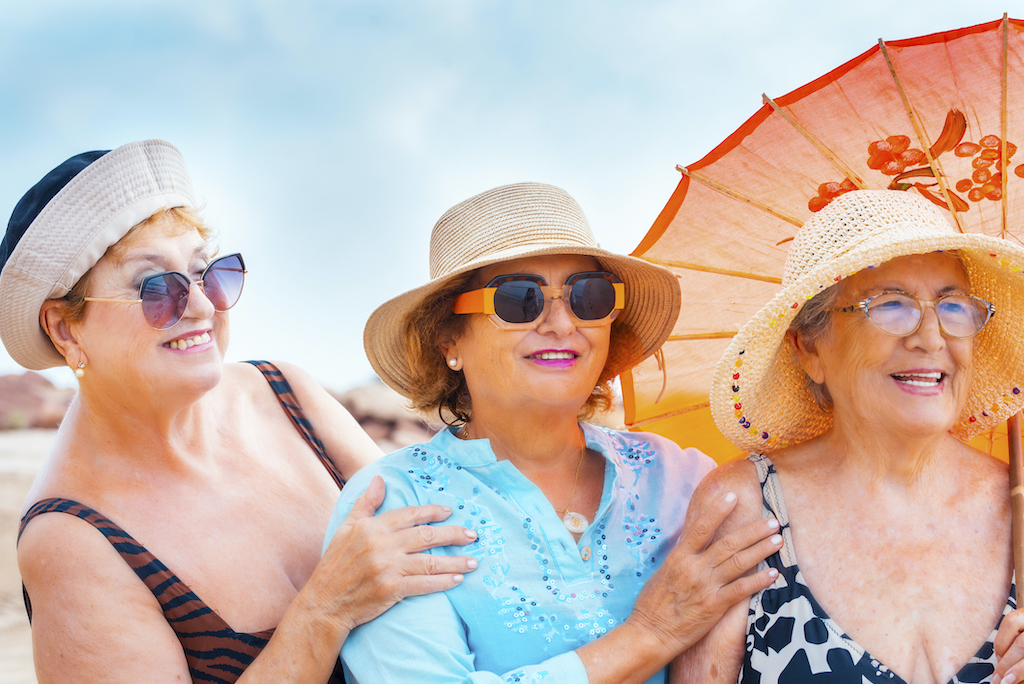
224 474
893 339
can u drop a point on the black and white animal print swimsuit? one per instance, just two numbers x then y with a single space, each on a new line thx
791 640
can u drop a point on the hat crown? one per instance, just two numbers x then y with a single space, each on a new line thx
503 222
860 219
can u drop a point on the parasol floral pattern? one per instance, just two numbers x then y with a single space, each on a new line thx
893 155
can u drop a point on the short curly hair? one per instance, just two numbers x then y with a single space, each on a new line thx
437 389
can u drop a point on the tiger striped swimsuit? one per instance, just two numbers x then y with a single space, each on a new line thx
215 652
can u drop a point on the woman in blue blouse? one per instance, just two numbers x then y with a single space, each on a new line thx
580 576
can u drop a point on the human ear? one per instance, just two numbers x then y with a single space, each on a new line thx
450 351
807 355
53 320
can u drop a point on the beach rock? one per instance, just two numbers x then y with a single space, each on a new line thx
30 400
385 415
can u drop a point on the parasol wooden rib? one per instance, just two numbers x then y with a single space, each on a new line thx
922 136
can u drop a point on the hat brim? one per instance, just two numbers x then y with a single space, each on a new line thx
653 300
72 232
760 400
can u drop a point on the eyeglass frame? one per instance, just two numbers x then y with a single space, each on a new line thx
481 300
990 309
142 286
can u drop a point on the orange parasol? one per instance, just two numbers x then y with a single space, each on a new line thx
941 115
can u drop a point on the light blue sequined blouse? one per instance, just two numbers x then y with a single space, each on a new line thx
537 594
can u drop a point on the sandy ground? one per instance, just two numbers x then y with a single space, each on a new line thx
21 454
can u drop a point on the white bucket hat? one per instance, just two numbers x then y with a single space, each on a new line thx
514 222
759 398
66 222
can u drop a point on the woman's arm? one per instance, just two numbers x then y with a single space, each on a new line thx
344 440
425 639
93 620
718 656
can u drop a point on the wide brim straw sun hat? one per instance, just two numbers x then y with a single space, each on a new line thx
66 222
760 400
514 222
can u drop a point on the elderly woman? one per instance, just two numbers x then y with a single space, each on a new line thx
195 494
514 341
893 338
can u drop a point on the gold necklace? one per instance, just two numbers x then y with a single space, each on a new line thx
576 523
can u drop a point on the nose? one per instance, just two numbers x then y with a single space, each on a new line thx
199 306
928 337
557 319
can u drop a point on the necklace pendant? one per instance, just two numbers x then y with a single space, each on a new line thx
575 522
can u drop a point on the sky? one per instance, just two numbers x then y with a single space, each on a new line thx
325 138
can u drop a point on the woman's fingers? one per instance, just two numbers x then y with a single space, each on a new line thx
423 537
699 532
1011 627
411 516
742 550
370 500
1009 646
743 587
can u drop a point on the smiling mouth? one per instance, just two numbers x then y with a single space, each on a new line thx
553 356
186 342
919 379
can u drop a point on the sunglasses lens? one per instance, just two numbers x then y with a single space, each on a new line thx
518 301
591 298
164 299
223 280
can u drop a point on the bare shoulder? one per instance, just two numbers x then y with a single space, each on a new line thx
345 441
737 477
83 595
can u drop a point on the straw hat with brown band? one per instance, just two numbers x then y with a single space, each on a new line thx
514 222
760 400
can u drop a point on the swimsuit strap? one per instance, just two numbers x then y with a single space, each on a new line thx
214 651
773 505
291 406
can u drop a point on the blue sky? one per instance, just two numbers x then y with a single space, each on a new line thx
326 138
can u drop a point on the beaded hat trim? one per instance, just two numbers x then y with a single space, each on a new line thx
759 398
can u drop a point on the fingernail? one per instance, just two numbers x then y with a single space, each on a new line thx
458 578
776 539
773 524
471 534
730 497
773 573
995 679
471 564
446 509
1010 678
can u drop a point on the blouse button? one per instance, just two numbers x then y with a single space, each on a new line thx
585 553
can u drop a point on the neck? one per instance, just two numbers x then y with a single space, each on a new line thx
537 440
900 459
146 433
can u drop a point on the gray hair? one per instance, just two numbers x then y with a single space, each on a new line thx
812 323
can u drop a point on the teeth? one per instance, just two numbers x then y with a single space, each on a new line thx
919 379
550 356
187 342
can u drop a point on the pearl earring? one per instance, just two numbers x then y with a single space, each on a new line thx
453 363
80 371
